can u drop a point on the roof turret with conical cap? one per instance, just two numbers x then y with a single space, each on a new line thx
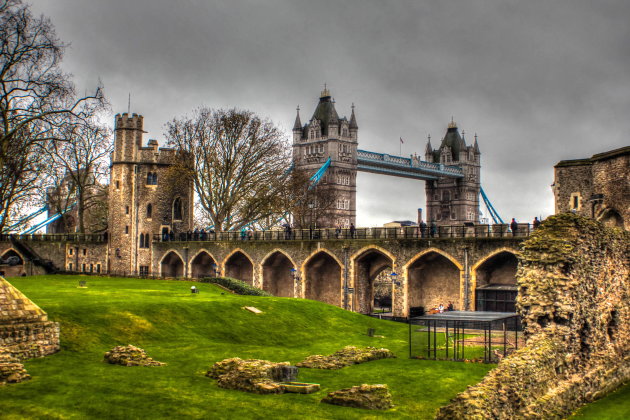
353 120
453 140
325 111
476 145
298 123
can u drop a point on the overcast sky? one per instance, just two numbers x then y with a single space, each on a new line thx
539 81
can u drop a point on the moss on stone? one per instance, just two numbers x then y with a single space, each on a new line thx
349 355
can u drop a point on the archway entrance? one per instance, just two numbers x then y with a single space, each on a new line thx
433 280
240 267
278 279
172 265
323 279
11 264
367 267
203 265
611 217
496 283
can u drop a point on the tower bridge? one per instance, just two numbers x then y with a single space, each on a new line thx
457 260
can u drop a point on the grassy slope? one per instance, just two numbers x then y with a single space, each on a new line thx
615 406
190 332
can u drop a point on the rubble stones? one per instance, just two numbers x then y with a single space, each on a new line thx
573 299
10 370
349 355
130 356
252 375
372 397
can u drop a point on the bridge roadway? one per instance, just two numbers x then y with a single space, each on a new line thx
414 168
447 265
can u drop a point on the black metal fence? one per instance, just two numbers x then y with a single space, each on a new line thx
410 232
57 237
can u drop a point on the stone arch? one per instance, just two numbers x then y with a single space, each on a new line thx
277 275
366 265
322 274
172 264
433 277
12 252
239 265
201 265
493 281
611 218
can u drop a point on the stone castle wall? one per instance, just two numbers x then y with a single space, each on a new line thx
25 331
574 289
596 187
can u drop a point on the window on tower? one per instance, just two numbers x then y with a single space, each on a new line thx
177 209
149 210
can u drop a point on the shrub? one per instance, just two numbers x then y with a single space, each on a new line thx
237 286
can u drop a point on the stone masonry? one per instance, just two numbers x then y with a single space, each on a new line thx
597 187
574 289
25 331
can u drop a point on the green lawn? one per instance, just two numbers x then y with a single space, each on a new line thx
615 406
191 332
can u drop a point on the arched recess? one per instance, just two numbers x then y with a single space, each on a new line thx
203 265
367 264
278 271
322 278
610 217
13 253
172 265
433 278
493 279
238 265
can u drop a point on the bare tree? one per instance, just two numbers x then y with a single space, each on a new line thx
308 203
36 98
78 164
238 163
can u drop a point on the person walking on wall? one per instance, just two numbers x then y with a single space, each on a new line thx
536 223
514 226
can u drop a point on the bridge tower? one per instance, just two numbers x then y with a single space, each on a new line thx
328 136
454 201
143 197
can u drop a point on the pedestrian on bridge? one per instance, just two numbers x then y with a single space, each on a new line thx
514 226
423 229
352 230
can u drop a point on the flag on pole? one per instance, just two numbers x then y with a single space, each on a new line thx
401 141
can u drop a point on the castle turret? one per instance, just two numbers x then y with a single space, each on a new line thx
328 136
453 201
145 198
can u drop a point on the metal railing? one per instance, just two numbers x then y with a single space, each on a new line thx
411 232
56 237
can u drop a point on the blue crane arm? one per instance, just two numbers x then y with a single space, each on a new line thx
47 221
27 218
493 213
317 176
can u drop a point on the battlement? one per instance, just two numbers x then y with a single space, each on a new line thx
124 121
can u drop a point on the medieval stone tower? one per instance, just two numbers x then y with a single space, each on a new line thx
146 197
328 136
454 201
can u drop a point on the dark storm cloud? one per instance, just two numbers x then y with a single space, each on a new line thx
539 81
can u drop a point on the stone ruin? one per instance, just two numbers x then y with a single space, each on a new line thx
372 397
11 371
574 289
130 356
252 375
349 355
25 332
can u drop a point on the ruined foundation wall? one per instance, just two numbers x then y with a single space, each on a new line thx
574 289
25 331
